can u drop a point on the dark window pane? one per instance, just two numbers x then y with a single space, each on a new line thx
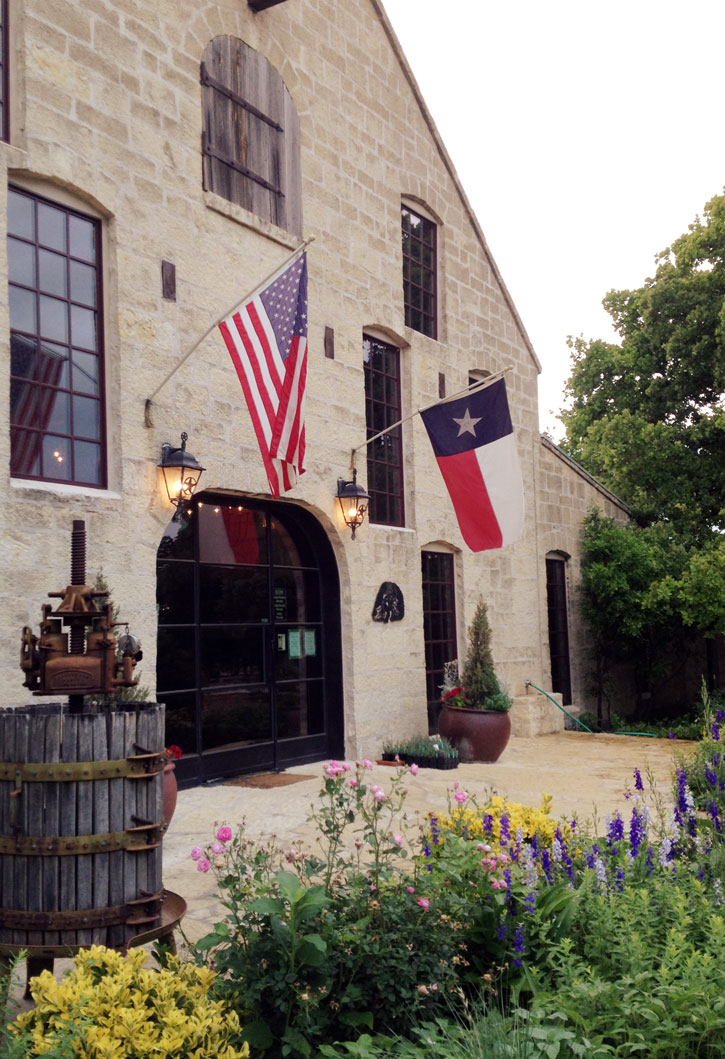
25 448
23 403
87 462
56 410
289 546
232 656
178 539
52 273
53 364
300 709
51 227
21 263
23 356
233 594
175 660
82 283
83 324
22 310
181 721
56 458
235 717
231 535
85 372
296 596
53 319
21 215
175 592
82 238
86 417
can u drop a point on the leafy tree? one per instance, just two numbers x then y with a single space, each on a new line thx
629 602
647 415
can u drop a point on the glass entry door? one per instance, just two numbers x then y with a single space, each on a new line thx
248 660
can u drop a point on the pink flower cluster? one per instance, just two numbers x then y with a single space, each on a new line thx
495 862
224 834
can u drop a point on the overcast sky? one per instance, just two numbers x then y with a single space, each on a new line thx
588 134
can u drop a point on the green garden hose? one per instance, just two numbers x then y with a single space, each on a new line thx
530 684
645 735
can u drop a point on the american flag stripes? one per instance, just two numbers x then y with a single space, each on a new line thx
267 340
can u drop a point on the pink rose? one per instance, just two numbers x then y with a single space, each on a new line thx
196 853
217 848
366 764
203 865
414 769
410 889
224 834
460 797
398 840
424 903
354 783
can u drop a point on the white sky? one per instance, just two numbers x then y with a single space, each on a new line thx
588 134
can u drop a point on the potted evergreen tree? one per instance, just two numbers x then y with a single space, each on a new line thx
474 714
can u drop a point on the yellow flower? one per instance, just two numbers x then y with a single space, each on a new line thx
110 1007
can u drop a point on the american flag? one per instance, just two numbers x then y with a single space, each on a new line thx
267 340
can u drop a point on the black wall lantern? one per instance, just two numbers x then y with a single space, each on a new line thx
181 472
353 501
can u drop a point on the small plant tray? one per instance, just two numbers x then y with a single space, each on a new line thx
421 762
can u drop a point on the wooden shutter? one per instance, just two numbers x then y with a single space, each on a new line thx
251 134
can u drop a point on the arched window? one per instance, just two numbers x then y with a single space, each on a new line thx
420 264
439 624
557 608
250 139
57 417
381 363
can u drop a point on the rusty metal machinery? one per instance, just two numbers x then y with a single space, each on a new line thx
77 652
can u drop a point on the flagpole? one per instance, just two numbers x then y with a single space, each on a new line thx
473 388
260 286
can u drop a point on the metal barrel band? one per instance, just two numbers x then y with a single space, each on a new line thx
133 840
145 910
140 766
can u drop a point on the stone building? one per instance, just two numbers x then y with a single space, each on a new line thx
161 158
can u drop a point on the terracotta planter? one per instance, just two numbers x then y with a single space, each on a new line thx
171 791
479 735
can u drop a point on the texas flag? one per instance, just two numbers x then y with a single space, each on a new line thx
474 444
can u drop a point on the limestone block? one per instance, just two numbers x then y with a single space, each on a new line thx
533 714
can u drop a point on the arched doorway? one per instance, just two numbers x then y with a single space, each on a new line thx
249 655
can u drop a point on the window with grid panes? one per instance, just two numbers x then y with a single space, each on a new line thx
57 430
4 72
250 138
384 455
439 619
419 272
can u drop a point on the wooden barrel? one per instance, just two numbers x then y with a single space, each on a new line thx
81 824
